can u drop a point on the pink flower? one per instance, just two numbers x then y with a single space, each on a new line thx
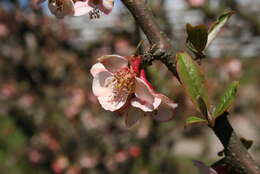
119 85
62 8
134 151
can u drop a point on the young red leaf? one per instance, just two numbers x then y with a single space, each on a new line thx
197 37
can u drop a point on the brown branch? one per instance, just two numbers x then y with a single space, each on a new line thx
144 17
149 26
236 154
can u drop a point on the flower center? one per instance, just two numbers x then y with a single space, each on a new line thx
125 80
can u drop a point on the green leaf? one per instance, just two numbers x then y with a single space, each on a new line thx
203 107
216 26
226 99
194 119
197 37
192 79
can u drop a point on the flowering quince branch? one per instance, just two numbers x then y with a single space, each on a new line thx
120 83
237 158
122 87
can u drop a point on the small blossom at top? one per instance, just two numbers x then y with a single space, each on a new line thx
62 8
120 86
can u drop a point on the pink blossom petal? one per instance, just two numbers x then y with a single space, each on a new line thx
133 116
106 6
142 91
103 84
145 106
61 8
82 7
196 3
113 63
145 99
165 111
203 168
112 102
97 68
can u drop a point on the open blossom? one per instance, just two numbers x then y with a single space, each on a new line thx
62 8
119 86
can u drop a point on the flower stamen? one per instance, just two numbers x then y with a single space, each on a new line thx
125 81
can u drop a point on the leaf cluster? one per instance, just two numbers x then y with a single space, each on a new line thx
193 78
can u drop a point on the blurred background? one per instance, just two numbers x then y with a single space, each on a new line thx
50 122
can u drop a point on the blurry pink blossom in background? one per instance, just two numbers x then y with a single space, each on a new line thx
4 31
8 90
121 156
77 99
60 164
26 100
52 143
74 169
89 161
134 151
35 156
118 86
195 3
234 68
